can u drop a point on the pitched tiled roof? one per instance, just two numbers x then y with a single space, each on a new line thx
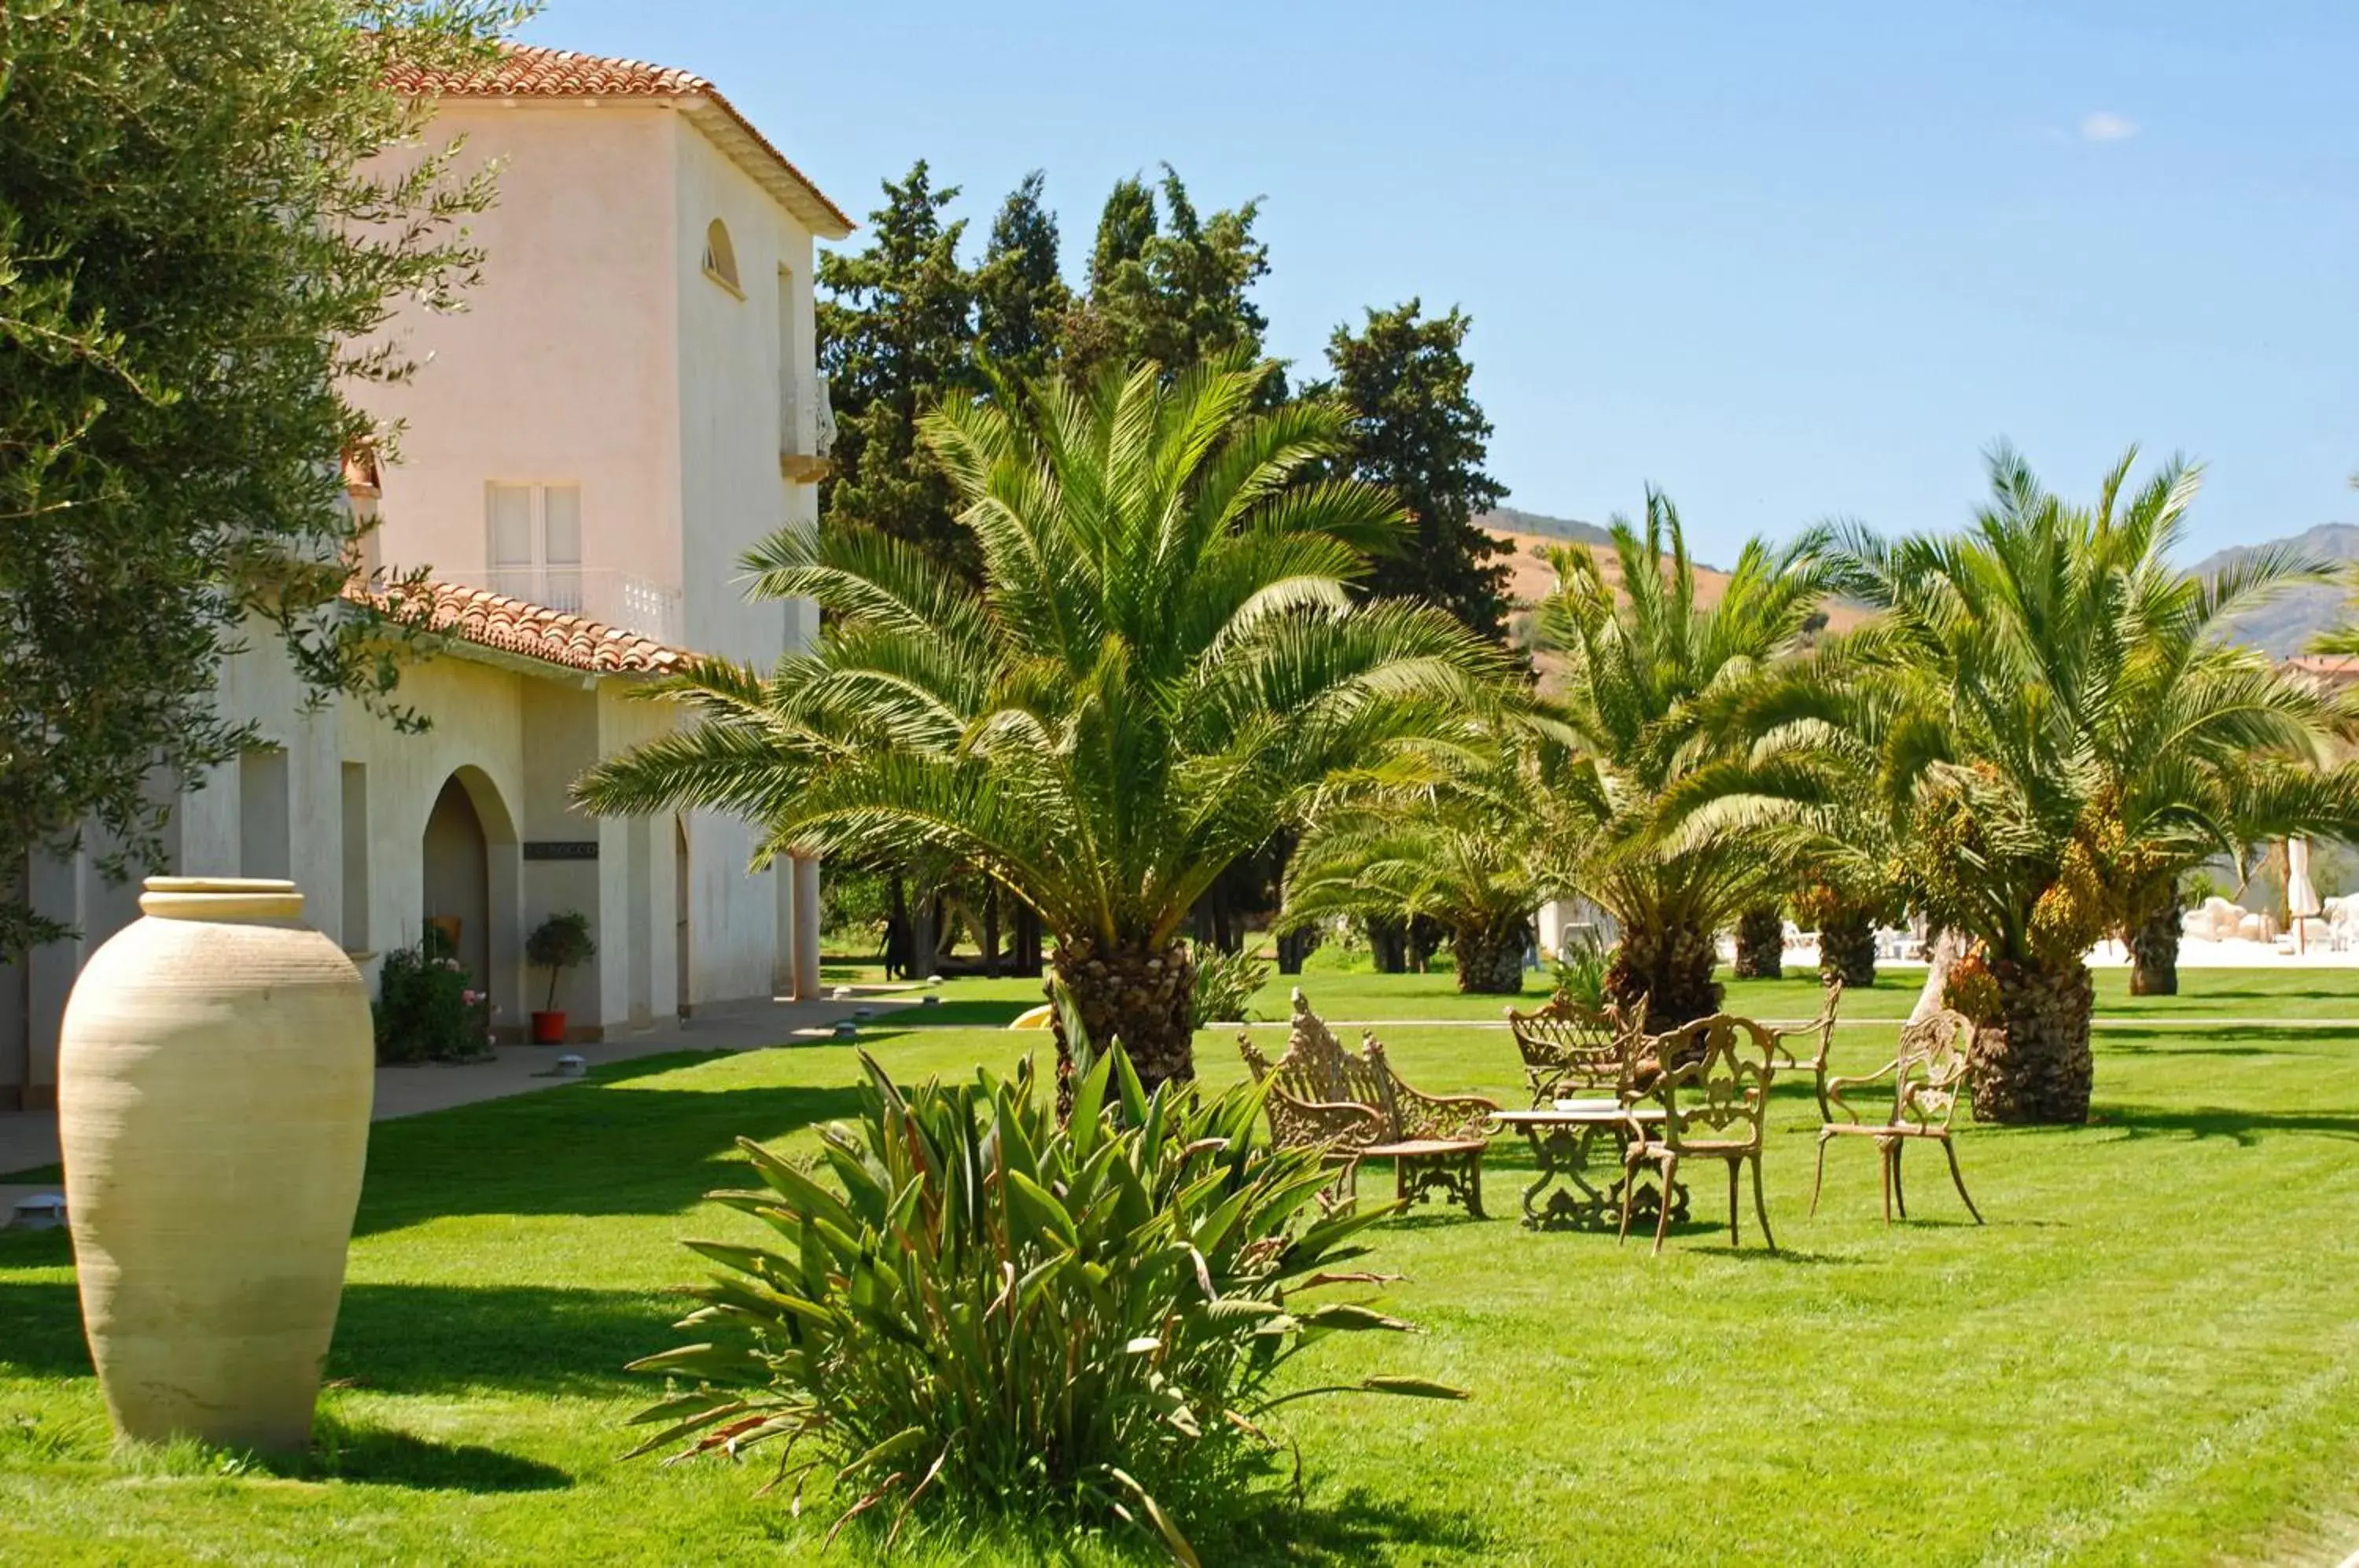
2330 666
528 71
514 625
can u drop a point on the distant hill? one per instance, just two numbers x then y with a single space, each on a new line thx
1507 520
2286 624
1529 578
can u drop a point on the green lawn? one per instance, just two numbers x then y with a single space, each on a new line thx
1360 994
2149 1355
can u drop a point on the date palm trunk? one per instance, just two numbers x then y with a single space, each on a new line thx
1847 949
2037 1068
1490 953
2154 952
1670 966
1141 995
1761 943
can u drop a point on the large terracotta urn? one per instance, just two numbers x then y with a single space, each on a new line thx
213 1091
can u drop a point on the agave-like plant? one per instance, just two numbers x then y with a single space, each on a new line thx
1476 851
1165 664
979 1306
2066 733
1668 781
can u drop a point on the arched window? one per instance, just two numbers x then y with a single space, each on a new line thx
720 257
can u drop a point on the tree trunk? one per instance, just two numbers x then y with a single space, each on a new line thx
1425 934
1761 944
1389 943
1027 939
1294 946
991 931
1490 955
896 932
921 938
1946 949
1671 969
2036 1068
1143 997
2154 952
1847 949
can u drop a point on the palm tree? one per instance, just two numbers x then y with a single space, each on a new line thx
1474 853
1665 780
2067 733
1164 665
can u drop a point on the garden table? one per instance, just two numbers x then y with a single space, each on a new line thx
1565 1139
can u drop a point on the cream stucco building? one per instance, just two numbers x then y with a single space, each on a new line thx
628 401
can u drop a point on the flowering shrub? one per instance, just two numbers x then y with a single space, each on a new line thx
427 1008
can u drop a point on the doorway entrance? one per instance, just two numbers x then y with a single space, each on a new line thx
458 862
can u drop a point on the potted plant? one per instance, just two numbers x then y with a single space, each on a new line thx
557 944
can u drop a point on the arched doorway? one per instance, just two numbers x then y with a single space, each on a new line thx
458 862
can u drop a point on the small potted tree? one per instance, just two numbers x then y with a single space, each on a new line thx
557 944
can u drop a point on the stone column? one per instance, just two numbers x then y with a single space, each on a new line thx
805 929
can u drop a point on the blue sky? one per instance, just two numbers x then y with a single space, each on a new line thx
1788 262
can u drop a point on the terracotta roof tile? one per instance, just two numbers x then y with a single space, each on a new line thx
529 70
514 625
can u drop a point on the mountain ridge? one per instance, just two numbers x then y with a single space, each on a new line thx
2285 624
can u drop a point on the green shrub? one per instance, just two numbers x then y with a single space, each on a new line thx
999 1314
427 1008
1226 984
1579 970
558 943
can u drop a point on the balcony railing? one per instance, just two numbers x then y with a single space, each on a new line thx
620 599
806 431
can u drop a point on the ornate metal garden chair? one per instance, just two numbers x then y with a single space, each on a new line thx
1575 1053
1928 1078
1824 1028
1715 1106
1357 1108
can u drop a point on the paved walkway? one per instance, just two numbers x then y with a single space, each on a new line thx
28 1140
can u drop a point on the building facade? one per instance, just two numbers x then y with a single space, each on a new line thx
626 403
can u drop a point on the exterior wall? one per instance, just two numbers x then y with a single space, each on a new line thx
594 352
738 373
561 367
477 735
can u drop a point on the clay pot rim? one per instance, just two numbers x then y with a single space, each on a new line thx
220 898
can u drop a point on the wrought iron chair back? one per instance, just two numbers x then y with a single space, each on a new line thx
1823 1028
1323 1093
1933 1070
1717 1099
1929 1076
1355 1106
1570 1049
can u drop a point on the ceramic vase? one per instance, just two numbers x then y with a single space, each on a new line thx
213 1090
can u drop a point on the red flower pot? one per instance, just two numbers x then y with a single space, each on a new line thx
548 1028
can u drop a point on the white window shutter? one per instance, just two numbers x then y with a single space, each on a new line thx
511 526
563 506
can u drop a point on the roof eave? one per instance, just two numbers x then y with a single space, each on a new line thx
751 152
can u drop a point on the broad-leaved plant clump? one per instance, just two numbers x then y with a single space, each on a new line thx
967 1306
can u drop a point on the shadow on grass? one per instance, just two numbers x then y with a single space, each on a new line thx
2189 1041
1356 1528
2245 1128
605 1148
973 1013
375 1456
416 1339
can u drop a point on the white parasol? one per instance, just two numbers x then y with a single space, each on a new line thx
2301 899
